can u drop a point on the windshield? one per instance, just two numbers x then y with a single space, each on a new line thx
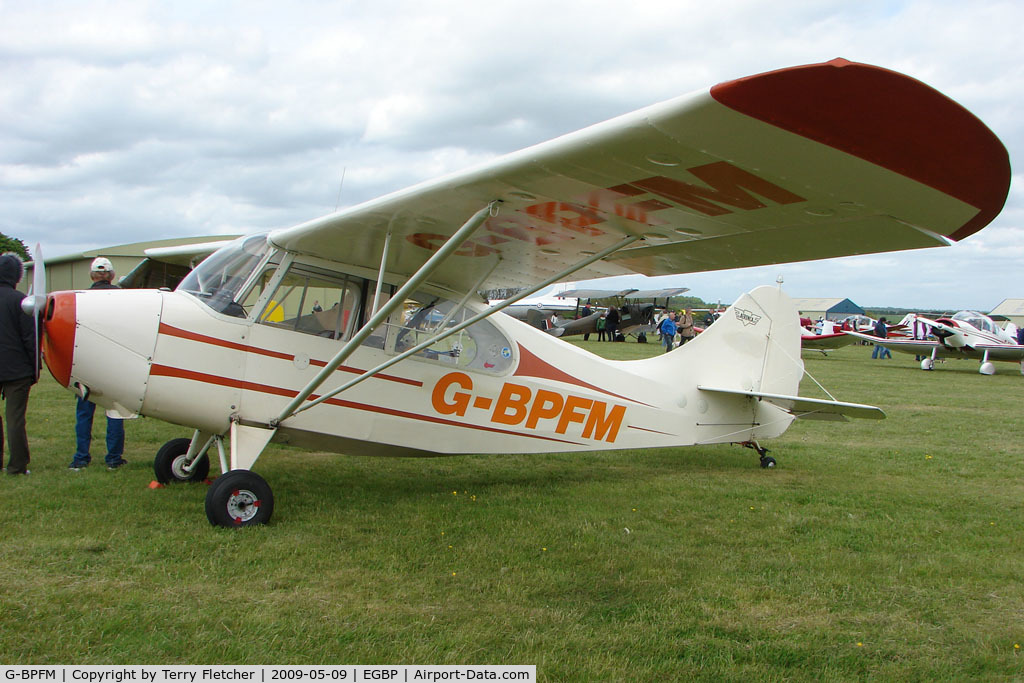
218 280
977 319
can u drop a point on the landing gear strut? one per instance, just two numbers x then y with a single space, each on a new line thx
767 461
173 464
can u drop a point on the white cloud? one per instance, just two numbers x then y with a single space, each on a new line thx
131 120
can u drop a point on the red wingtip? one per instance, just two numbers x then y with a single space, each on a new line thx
887 118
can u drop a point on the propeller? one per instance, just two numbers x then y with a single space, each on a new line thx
35 302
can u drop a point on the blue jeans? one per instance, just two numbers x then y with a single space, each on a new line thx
83 432
881 352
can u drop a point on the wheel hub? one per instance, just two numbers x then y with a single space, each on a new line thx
242 505
178 467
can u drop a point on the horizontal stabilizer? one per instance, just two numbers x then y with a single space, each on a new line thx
808 408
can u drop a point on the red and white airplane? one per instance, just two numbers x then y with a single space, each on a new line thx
825 342
967 334
363 332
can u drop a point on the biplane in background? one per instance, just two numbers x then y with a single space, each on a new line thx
967 334
381 298
635 309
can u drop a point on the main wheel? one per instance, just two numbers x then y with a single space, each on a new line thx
239 498
767 461
169 463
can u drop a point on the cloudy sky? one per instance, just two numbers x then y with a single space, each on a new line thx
130 120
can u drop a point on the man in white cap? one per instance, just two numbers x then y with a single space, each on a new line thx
102 275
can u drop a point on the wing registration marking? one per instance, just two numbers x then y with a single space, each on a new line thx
727 189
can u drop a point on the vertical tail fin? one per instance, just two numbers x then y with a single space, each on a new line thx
753 346
749 361
751 350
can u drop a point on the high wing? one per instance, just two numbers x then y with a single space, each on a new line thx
802 163
657 293
630 293
596 293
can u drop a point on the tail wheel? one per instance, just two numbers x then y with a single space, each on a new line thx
169 463
239 498
767 461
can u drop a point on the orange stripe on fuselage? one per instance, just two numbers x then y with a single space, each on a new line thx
205 378
172 331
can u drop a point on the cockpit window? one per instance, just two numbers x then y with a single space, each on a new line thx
314 302
424 316
977 319
218 280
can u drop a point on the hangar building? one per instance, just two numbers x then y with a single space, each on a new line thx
72 271
829 309
1012 309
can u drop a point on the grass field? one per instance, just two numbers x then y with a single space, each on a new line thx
876 550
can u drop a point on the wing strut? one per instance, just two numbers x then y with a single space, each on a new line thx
463 325
417 278
380 276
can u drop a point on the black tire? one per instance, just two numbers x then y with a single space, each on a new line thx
169 460
239 498
767 462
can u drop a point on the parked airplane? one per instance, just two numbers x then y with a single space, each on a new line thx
636 313
967 334
824 342
802 163
541 306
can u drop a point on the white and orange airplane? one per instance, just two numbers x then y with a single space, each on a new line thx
967 334
363 331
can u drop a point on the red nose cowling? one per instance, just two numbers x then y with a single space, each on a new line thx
59 335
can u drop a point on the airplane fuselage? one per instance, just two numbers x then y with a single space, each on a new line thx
500 387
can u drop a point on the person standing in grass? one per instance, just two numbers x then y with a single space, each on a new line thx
611 323
667 329
882 332
102 275
602 325
18 367
685 324
586 313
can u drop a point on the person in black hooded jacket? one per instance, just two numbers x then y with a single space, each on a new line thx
18 368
